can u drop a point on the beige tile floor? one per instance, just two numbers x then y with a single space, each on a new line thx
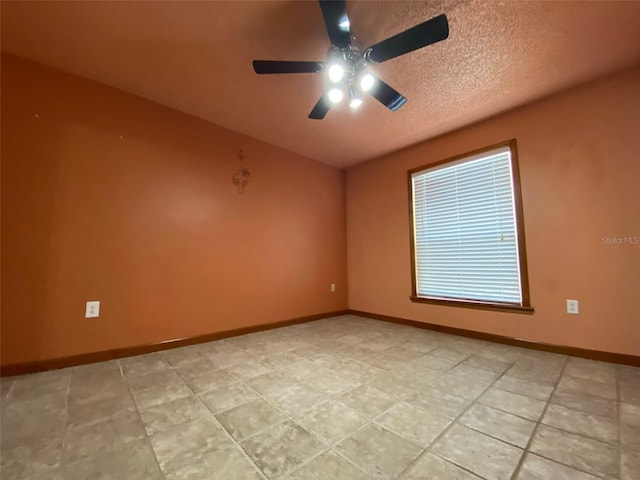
342 398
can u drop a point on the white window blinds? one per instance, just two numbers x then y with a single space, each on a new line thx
465 235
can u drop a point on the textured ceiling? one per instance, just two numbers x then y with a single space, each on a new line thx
196 57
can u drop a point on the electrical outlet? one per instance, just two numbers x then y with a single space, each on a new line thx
92 309
572 307
333 287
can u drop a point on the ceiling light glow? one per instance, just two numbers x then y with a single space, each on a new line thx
336 72
355 102
335 95
366 82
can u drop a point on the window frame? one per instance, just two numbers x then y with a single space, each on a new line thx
525 307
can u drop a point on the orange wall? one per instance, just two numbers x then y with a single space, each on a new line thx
579 158
107 196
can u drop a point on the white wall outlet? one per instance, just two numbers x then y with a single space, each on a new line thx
333 287
92 310
572 307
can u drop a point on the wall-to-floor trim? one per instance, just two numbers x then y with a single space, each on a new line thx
71 361
612 357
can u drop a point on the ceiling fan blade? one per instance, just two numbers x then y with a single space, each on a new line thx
426 33
277 66
321 108
387 95
337 22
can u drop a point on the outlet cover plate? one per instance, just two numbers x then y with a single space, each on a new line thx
92 309
572 307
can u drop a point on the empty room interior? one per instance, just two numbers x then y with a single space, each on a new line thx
320 240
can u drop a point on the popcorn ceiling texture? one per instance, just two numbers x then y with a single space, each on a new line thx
196 57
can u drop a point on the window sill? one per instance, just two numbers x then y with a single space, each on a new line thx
500 307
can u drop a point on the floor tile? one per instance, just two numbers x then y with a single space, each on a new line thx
6 384
157 388
270 382
539 371
630 465
328 466
586 403
142 365
345 397
591 370
331 383
378 452
628 394
32 387
296 399
133 461
440 403
581 453
434 363
330 361
303 370
162 417
538 468
229 463
483 455
249 369
280 360
331 420
600 428
455 356
412 423
31 455
31 419
177 357
228 396
179 446
491 364
282 448
207 381
250 418
85 414
201 367
103 436
358 372
432 467
498 424
460 385
393 385
590 387
539 391
520 405
367 400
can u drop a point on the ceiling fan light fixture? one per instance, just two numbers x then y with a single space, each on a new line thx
366 82
335 95
355 101
336 72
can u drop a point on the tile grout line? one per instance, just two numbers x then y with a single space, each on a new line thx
330 444
454 421
135 404
372 420
217 422
62 463
527 448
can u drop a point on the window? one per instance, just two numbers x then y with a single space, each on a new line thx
467 238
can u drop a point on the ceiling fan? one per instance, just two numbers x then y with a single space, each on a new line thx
347 64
